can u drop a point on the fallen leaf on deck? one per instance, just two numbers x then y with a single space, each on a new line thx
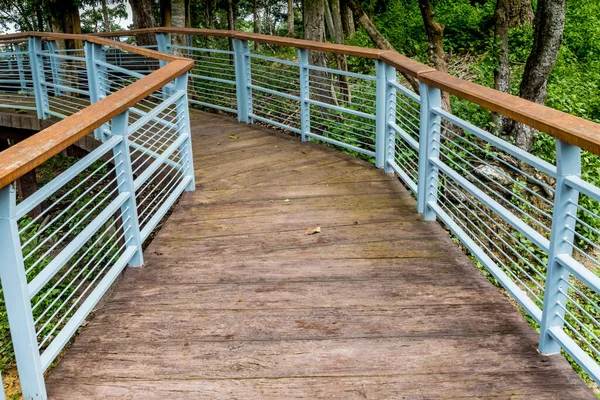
233 137
312 231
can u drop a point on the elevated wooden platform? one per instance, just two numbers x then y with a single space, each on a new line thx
236 301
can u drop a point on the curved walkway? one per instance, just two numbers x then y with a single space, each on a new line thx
237 301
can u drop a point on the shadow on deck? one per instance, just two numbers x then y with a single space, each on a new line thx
236 301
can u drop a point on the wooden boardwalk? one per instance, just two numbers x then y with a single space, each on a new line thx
237 302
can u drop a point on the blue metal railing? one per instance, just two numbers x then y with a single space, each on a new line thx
533 225
94 216
515 213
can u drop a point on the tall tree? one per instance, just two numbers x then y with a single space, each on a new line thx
376 37
65 18
165 12
508 14
435 39
290 18
548 27
178 20
143 17
348 27
105 15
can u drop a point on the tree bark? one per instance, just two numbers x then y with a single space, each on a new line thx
290 18
143 17
188 13
435 38
348 27
341 59
208 21
376 37
65 19
165 12
230 21
178 20
105 15
256 25
502 71
548 29
314 29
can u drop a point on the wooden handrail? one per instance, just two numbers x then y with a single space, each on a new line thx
33 151
569 128
566 127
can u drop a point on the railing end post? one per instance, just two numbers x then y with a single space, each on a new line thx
241 56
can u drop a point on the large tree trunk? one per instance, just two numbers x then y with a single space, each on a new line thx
143 17
178 20
290 18
376 37
165 12
314 29
435 38
105 15
548 29
65 19
348 27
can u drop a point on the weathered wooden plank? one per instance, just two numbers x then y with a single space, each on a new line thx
546 384
236 301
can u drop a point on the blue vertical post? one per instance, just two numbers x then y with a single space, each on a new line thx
16 297
37 74
568 163
390 116
380 111
124 171
243 80
2 394
19 58
54 66
97 78
429 137
163 40
304 94
184 126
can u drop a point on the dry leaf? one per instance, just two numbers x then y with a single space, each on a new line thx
233 137
312 231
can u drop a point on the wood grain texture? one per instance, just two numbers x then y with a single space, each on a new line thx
235 301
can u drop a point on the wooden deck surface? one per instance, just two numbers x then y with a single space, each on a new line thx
237 302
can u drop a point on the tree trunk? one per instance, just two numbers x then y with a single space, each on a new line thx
548 29
348 27
376 37
65 19
435 37
341 59
188 13
290 18
329 20
314 29
105 15
165 12
256 25
178 20
519 13
230 21
143 17
208 21
502 71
